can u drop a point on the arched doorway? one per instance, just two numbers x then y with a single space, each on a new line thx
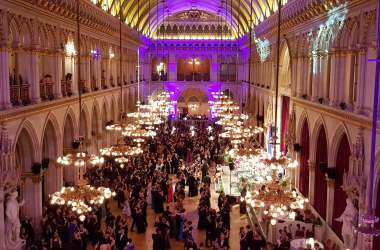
155 67
320 189
193 102
232 70
223 69
181 69
52 175
304 168
206 69
163 69
25 152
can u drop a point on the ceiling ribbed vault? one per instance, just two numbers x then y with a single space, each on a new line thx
135 10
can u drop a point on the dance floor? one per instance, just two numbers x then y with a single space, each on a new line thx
145 241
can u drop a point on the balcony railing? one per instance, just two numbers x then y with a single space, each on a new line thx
164 77
46 91
66 88
231 78
93 84
189 77
19 94
155 77
223 78
206 78
180 77
103 82
197 77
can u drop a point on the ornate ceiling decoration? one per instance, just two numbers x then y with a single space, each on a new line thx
152 12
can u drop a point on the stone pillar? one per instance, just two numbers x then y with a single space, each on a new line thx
330 201
184 70
2 211
299 88
202 71
315 77
87 72
342 77
308 75
294 83
34 76
311 181
214 72
5 100
349 73
325 70
31 190
334 79
172 76
108 73
57 75
362 61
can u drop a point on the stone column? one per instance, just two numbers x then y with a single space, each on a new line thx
299 88
57 75
325 70
294 83
330 201
342 77
31 190
308 75
202 71
5 100
334 79
34 76
360 88
184 70
172 76
349 73
311 181
108 74
2 211
315 77
87 72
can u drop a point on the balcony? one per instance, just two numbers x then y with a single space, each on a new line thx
66 88
189 77
19 94
46 91
164 77
180 77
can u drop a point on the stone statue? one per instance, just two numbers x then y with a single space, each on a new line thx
12 222
350 220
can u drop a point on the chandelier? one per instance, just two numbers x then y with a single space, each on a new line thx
193 106
80 197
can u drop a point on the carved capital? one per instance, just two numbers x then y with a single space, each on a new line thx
311 166
330 182
37 179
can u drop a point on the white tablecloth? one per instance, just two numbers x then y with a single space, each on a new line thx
295 244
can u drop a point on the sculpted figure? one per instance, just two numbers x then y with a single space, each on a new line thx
12 222
350 220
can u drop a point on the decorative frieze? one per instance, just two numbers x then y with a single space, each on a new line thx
311 166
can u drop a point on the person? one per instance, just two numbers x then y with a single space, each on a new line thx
169 183
308 247
127 207
129 245
70 245
191 183
84 236
298 216
149 192
158 240
249 237
210 229
243 203
220 200
121 239
316 246
207 180
158 201
56 243
223 243
243 242
215 244
139 218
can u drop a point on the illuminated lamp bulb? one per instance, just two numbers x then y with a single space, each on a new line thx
71 189
274 215
78 155
282 212
79 211
82 217
74 208
262 204
252 203
74 204
241 198
278 209
271 207
52 201
69 202
81 203
92 201
265 212
76 163
301 206
284 208
306 200
292 206
89 209
273 222
62 202
121 165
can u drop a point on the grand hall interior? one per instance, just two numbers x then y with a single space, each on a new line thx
189 124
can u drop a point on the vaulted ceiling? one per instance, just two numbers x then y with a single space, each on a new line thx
146 14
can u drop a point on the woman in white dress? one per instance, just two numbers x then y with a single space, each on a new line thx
127 207
149 192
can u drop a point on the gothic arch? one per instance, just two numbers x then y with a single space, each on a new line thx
53 133
301 122
70 127
314 136
105 113
85 120
339 132
96 117
27 151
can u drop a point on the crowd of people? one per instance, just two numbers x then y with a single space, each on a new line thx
156 179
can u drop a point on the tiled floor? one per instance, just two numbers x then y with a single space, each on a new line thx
144 241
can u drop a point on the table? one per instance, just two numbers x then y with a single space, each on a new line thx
295 244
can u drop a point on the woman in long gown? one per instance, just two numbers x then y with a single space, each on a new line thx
149 193
169 183
127 207
202 212
139 220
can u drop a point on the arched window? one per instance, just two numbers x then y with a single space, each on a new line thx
205 99
193 99
181 99
175 30
320 189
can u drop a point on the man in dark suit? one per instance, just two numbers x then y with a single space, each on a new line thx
210 229
158 240
204 168
191 183
174 165
121 239
207 180
223 243
70 245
